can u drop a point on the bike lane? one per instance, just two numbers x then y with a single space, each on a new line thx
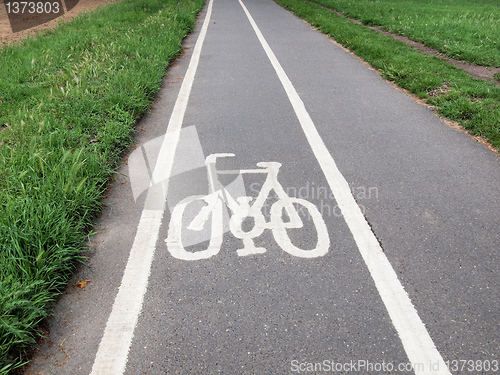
263 313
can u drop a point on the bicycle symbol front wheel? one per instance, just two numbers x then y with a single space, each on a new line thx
178 224
281 235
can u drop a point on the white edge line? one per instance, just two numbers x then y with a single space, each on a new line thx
111 357
416 340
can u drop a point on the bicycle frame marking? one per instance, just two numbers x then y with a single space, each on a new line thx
240 210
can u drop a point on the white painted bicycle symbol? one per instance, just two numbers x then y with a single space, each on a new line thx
241 209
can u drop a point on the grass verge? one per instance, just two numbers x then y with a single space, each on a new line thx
475 104
460 29
68 103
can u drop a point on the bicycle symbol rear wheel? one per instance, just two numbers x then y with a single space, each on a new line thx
178 223
279 229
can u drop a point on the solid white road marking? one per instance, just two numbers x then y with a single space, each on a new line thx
111 358
416 340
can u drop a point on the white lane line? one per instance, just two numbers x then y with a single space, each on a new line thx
416 340
111 358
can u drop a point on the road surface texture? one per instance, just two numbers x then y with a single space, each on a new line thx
373 250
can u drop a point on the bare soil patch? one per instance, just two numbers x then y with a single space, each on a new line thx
477 71
7 36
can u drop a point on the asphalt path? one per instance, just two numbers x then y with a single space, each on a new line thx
326 300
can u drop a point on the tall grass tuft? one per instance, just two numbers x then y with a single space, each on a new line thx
68 103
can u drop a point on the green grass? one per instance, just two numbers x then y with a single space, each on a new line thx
475 104
467 30
68 104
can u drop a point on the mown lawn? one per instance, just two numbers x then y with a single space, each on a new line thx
467 30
